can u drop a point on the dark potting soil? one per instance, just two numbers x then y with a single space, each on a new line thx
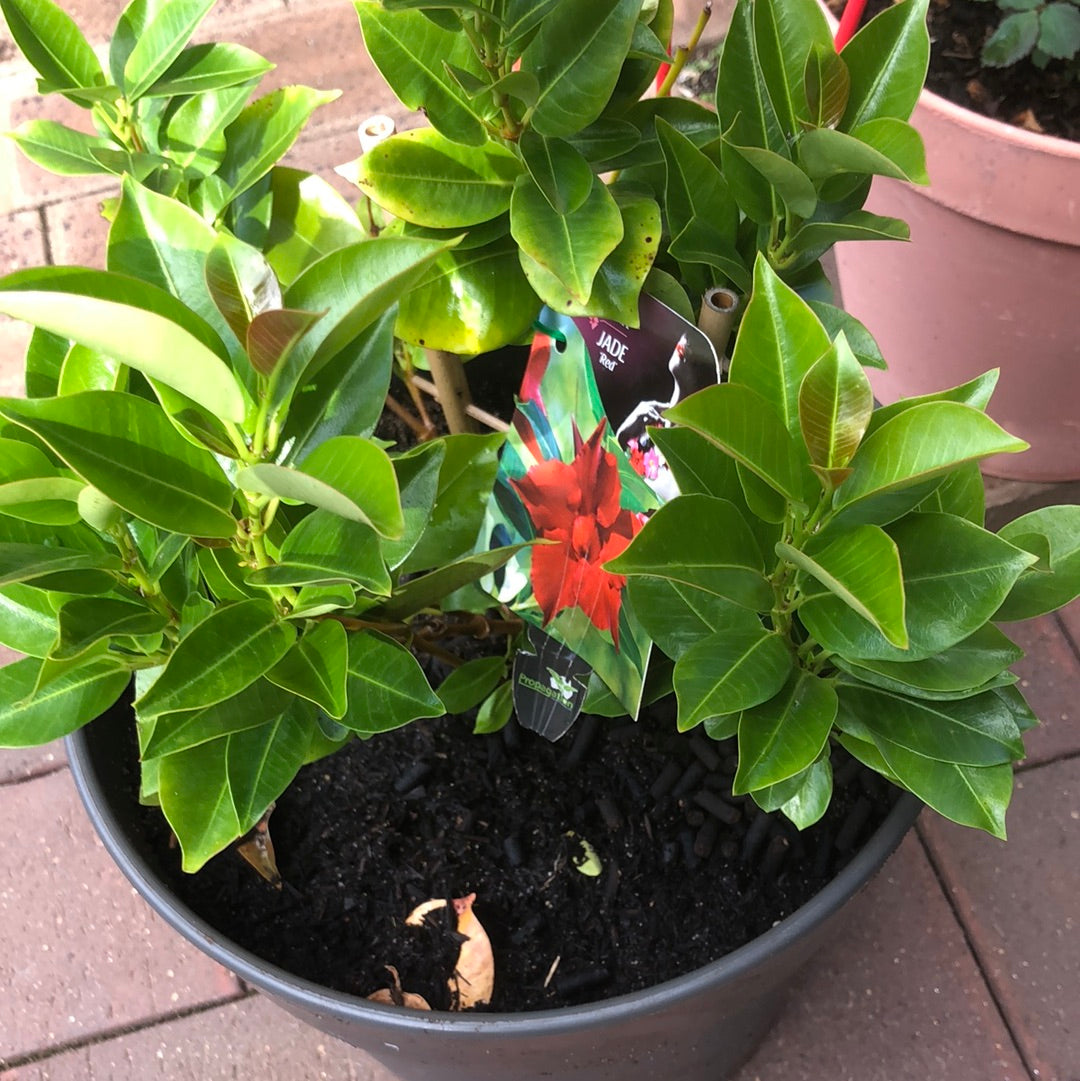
686 872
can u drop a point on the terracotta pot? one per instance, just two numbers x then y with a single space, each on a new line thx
991 278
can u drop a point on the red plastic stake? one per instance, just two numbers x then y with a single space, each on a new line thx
849 22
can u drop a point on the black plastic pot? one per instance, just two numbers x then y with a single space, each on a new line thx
699 1027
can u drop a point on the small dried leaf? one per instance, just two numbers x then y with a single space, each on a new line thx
473 980
1028 121
258 849
394 996
416 917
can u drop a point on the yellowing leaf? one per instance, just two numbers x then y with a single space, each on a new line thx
473 980
395 996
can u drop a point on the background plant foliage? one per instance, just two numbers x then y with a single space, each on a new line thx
191 493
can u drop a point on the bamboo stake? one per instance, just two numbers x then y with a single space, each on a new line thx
717 316
452 389
473 411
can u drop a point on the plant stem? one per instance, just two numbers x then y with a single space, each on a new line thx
682 53
453 389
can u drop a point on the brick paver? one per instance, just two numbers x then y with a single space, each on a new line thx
1019 903
896 998
82 954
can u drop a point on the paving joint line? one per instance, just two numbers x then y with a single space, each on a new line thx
1031 767
1074 644
991 990
31 1058
36 775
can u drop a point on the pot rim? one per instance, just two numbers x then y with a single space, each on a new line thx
311 996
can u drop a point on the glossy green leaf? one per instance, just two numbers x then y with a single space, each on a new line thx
976 393
826 84
272 336
315 668
960 492
495 711
309 219
84 621
785 734
810 800
617 285
1054 582
558 170
58 148
326 549
702 543
106 312
748 427
67 703
194 135
28 562
213 66
606 139
51 41
836 321
86 369
423 177
790 183
355 286
976 731
428 589
695 189
570 246
387 687
27 620
955 577
252 707
240 283
819 236
675 616
225 653
861 568
411 53
835 404
160 44
474 300
779 341
576 57
882 147
466 479
49 499
125 447
418 482
920 443
887 60
738 667
315 601
695 121
470 684
263 131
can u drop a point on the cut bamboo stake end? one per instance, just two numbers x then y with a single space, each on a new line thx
374 130
719 306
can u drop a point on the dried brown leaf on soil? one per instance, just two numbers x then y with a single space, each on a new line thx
395 996
473 980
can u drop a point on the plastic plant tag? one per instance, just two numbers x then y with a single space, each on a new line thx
567 482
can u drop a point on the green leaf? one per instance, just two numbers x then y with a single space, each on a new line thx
1014 39
126 448
675 616
466 479
194 135
784 735
27 562
976 393
86 369
1054 582
738 667
67 703
84 621
475 300
52 42
576 57
308 220
326 549
252 707
27 620
695 189
427 590
387 687
748 427
882 147
955 577
496 710
836 321
811 798
960 492
793 187
835 405
418 481
58 148
411 53
558 170
272 336
818 236
225 653
826 84
779 341
920 443
262 132
570 246
861 568
214 66
50 500
120 317
702 543
470 684
240 283
315 668
423 177
355 285
887 60
617 285
164 36
1059 31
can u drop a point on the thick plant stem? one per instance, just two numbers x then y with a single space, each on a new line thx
453 388
682 53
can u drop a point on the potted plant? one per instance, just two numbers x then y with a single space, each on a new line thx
996 239
193 500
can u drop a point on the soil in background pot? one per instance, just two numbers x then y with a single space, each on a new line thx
687 872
